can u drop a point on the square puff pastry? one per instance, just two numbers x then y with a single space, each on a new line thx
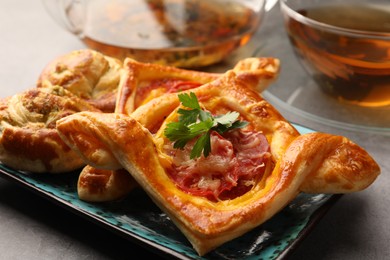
142 82
316 162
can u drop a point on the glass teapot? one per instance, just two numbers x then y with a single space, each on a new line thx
182 33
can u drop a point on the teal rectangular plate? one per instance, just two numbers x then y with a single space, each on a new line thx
138 219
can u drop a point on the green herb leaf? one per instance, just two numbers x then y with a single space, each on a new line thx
188 116
190 101
197 123
202 144
204 115
239 124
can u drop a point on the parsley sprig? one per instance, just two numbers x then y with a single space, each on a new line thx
195 122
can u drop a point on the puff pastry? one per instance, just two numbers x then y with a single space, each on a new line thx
268 162
142 82
97 185
77 81
28 138
88 74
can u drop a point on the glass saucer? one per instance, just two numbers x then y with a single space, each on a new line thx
307 100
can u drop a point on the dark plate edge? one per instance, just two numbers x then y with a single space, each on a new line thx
165 252
314 219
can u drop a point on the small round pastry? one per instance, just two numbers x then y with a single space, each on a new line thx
28 137
99 185
88 74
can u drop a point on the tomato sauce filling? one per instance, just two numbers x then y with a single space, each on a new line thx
161 86
237 161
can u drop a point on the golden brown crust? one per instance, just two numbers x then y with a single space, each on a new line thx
98 185
88 74
138 78
262 71
302 162
28 138
141 82
208 224
135 88
231 93
346 168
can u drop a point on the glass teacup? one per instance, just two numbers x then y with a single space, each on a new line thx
344 45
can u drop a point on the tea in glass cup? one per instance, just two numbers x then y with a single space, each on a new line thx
344 45
183 33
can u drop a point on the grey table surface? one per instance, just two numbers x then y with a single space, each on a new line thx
356 227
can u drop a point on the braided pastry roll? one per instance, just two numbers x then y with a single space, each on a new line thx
77 81
142 82
28 138
88 74
249 175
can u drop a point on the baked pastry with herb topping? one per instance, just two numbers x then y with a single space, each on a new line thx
219 160
141 83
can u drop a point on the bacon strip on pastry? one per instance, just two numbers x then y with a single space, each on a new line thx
261 179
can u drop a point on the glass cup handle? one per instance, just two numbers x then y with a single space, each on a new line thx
67 13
